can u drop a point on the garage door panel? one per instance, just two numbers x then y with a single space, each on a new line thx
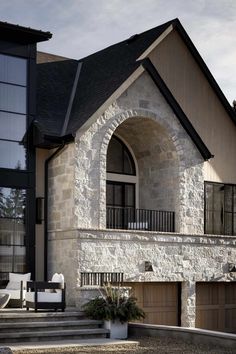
207 294
230 294
209 318
160 318
230 320
159 302
159 294
216 306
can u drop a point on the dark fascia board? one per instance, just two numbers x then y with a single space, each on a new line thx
184 121
43 140
20 34
193 50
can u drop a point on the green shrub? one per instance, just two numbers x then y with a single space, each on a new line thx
113 305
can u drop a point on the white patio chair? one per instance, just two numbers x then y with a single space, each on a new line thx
16 288
46 295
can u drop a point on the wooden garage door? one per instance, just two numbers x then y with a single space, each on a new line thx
159 302
216 306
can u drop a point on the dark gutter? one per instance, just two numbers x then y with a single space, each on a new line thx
193 50
21 34
46 208
184 121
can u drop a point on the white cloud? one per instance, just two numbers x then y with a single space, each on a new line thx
81 27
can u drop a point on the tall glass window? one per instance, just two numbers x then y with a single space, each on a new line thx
13 109
12 231
220 208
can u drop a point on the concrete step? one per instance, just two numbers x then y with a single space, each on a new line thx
73 343
31 316
54 325
55 335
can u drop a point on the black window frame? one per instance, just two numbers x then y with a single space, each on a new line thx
18 113
25 179
232 212
124 150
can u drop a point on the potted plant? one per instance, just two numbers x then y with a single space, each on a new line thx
116 308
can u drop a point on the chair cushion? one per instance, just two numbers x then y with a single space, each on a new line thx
15 280
13 285
44 297
58 278
15 294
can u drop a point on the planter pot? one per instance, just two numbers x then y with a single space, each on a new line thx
117 329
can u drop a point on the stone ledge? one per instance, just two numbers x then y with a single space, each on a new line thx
143 236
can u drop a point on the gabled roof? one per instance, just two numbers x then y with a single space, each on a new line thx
100 75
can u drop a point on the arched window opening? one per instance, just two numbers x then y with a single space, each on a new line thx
121 185
119 158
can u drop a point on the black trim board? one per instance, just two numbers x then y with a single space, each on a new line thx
21 34
184 121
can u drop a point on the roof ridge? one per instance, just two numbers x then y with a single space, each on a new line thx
166 24
71 99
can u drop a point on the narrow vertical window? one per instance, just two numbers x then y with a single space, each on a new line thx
220 209
13 111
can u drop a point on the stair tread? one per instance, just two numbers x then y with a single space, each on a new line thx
61 333
50 323
33 314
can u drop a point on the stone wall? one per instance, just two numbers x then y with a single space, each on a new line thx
61 202
143 101
174 257
157 162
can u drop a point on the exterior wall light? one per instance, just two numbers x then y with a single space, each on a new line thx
148 266
232 267
39 210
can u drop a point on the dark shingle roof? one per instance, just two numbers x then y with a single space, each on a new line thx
54 85
101 74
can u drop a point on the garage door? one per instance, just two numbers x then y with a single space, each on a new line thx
216 306
160 302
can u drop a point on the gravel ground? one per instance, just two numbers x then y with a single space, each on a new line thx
147 346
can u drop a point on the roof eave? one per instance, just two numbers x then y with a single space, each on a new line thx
22 34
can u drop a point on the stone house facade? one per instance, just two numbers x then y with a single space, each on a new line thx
135 149
92 225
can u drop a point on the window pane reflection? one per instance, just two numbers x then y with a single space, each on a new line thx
12 98
219 209
119 159
13 126
12 231
12 155
13 70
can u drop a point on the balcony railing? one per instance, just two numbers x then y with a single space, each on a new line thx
140 219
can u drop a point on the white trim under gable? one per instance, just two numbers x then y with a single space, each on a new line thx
155 43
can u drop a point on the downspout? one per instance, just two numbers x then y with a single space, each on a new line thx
46 208
63 132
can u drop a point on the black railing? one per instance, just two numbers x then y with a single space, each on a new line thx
101 278
140 219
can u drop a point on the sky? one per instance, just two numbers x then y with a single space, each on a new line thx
82 27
